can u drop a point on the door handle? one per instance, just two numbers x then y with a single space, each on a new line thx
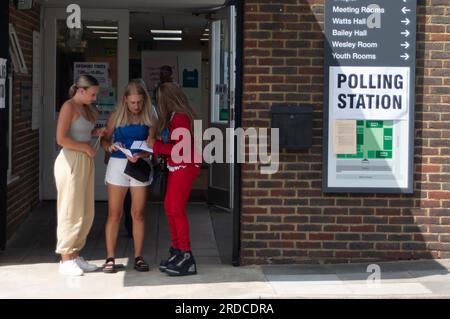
221 89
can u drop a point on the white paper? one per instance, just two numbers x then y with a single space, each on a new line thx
98 70
141 145
344 137
126 151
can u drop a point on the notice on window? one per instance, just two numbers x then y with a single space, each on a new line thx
99 70
344 137
2 83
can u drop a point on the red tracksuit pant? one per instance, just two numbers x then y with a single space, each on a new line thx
179 186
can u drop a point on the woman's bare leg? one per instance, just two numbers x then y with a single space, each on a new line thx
116 196
138 201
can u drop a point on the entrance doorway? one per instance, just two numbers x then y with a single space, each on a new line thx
98 48
204 65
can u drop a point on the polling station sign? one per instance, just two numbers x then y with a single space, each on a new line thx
369 95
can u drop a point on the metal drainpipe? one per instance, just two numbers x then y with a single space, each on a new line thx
238 118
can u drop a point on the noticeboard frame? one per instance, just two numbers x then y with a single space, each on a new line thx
409 189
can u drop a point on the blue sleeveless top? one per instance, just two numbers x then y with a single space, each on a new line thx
127 135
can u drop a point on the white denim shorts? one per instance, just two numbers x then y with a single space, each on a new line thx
116 176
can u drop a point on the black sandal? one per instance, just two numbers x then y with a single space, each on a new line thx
110 266
140 264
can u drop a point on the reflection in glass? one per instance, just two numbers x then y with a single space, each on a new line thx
90 50
224 59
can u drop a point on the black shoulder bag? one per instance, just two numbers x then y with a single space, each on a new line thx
140 170
159 183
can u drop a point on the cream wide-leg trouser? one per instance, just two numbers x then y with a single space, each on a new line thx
74 176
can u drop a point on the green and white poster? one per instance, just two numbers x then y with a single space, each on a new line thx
373 140
377 99
380 158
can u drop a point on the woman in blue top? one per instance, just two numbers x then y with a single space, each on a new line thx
130 122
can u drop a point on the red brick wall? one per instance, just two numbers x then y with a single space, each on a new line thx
23 194
285 217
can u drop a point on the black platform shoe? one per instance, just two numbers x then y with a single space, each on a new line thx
183 265
173 253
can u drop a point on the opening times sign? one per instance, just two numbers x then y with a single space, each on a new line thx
369 95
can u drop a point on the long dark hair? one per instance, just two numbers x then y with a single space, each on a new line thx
172 99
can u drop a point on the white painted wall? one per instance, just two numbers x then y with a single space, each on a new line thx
186 60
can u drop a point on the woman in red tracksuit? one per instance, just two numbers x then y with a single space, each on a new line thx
176 113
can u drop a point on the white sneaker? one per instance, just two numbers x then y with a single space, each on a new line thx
70 268
84 265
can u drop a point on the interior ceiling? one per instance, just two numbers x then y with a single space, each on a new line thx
137 4
191 25
155 14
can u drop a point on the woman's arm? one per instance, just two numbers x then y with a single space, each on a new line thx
141 154
105 141
152 132
151 135
63 127
179 121
98 132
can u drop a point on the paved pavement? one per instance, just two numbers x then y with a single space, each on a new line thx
28 269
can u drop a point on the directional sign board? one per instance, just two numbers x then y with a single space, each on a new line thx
370 58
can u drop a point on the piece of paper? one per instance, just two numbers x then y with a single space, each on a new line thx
344 137
97 143
99 70
126 151
141 145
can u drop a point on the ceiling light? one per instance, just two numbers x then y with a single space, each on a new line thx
101 27
104 32
167 39
167 31
109 38
204 39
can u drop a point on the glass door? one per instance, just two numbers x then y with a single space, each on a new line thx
223 61
98 48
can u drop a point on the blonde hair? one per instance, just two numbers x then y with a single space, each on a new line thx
170 98
85 81
123 114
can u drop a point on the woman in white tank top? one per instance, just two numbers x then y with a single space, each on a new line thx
74 174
